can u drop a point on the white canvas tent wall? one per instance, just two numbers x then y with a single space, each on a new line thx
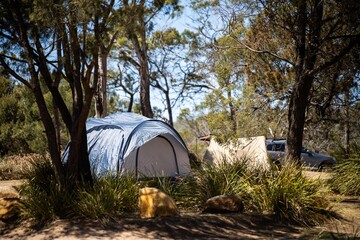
131 143
253 149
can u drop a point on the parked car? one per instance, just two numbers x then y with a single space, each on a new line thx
276 150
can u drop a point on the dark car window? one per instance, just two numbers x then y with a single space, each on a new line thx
269 147
280 147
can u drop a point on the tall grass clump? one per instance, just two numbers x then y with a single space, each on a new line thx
43 198
290 196
111 196
284 193
181 189
345 179
223 178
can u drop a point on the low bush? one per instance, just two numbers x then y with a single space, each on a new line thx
291 196
110 197
286 193
42 196
224 178
346 178
45 200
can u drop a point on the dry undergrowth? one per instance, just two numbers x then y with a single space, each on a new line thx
13 167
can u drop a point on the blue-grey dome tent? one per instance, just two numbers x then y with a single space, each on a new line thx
131 143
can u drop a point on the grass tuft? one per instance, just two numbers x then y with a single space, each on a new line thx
346 178
226 177
291 196
110 197
43 198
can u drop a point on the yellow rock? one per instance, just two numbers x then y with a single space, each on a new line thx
9 209
154 203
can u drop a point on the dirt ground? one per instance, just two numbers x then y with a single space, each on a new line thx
194 226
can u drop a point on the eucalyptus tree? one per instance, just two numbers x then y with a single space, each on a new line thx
106 17
333 106
301 40
21 130
174 70
137 20
323 34
43 44
124 79
223 101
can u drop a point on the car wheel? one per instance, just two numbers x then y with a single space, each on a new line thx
325 166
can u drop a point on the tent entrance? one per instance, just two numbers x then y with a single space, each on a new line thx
155 158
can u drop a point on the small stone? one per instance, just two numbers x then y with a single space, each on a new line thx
9 209
224 204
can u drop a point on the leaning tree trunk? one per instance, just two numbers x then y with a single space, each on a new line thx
50 132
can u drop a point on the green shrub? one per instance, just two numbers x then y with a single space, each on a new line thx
290 196
181 189
43 198
110 197
346 178
226 177
285 193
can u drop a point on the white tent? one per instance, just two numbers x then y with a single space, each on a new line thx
252 149
131 143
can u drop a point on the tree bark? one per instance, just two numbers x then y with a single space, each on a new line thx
307 48
296 117
169 108
140 47
101 94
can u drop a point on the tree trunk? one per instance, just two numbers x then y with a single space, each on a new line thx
232 110
101 94
307 47
78 164
57 124
145 103
169 109
50 132
140 47
296 117
347 124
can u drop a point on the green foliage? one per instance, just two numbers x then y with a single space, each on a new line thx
285 193
110 197
290 196
44 200
223 178
181 189
20 128
346 178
